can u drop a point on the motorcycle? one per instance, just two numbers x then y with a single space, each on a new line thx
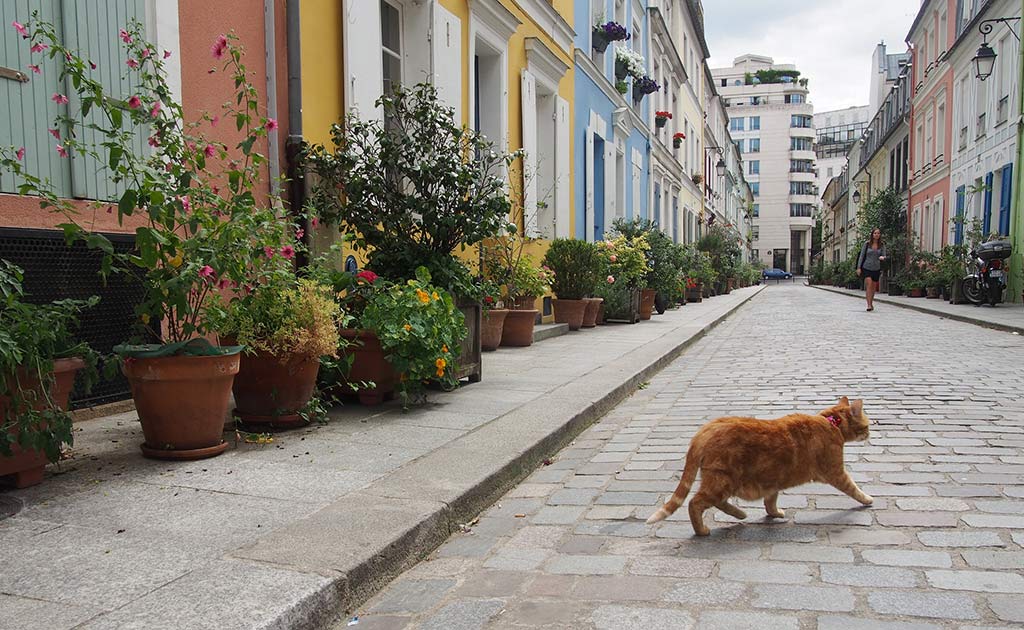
988 281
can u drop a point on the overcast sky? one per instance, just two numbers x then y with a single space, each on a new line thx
830 41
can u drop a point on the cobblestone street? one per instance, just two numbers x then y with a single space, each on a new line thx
940 548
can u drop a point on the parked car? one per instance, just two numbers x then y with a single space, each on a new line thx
776 274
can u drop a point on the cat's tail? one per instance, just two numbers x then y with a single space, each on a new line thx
677 498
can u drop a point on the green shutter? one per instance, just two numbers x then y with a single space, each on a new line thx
92 28
28 111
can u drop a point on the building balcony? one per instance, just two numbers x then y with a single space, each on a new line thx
802 132
802 154
804 198
802 176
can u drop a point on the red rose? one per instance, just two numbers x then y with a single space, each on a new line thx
367 276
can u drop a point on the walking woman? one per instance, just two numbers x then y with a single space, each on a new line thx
869 264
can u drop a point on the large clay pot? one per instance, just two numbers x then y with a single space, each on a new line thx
369 366
646 303
600 313
270 391
182 401
730 284
569 312
26 466
527 303
518 329
915 293
490 333
933 293
590 313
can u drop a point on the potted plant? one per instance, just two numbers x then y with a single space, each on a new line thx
39 359
286 325
603 34
628 63
201 226
643 86
661 119
494 314
697 178
622 86
622 271
665 259
677 141
574 265
411 198
506 264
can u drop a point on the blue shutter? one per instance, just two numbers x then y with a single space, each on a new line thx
91 28
27 109
1004 200
959 237
986 217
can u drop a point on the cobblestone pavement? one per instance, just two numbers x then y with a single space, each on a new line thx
940 548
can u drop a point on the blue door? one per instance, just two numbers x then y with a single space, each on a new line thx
599 200
986 217
1004 199
958 239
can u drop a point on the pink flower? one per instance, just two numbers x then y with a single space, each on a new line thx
61 151
367 276
131 63
21 154
271 124
613 258
92 65
288 252
146 53
223 284
135 102
219 47
34 68
156 109
299 233
611 279
210 150
18 26
268 251
38 48
315 222
154 141
125 37
59 98
214 121
55 133
206 271
167 54
186 203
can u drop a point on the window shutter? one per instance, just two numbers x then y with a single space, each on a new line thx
588 232
447 57
563 174
986 217
611 184
529 118
363 58
637 168
92 29
27 109
958 237
1004 200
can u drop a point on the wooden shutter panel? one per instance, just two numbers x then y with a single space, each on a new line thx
588 232
92 29
447 55
363 58
1005 200
26 108
529 120
563 168
986 218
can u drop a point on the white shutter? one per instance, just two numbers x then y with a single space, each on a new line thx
563 175
589 227
363 62
610 192
447 56
529 118
636 190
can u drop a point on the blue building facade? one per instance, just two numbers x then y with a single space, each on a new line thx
611 135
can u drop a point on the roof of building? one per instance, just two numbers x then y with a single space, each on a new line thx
893 65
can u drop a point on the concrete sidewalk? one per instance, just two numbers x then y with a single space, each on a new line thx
295 533
1005 317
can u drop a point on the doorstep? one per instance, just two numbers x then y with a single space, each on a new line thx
298 533
549 331
1006 317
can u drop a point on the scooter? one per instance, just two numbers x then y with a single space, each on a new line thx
988 281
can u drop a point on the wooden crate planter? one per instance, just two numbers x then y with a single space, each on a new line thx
470 361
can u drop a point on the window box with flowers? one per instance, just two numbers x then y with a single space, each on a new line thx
202 225
642 87
628 63
677 141
604 34
661 118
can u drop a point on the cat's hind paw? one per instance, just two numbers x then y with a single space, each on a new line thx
777 514
867 499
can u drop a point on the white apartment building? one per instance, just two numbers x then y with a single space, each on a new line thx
772 121
836 131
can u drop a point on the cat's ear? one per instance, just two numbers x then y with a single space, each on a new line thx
858 408
844 401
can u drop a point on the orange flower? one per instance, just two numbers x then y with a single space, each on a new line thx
423 296
435 296
408 327
440 363
444 348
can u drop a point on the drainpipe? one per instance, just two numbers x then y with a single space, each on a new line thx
1017 210
270 44
294 143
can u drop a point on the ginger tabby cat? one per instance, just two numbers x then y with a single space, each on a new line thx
755 459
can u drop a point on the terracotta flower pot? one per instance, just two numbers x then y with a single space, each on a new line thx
646 303
182 401
933 293
528 303
493 322
369 366
915 293
26 466
569 312
270 391
590 313
518 329
600 313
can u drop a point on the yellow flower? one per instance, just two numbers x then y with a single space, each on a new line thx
177 260
444 348
145 318
440 363
407 327
423 296
435 296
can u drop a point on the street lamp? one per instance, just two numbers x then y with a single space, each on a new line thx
856 197
720 167
985 58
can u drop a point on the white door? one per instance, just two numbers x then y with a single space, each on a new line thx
363 50
563 173
529 116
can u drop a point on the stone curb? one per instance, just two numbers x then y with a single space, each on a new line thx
960 318
434 509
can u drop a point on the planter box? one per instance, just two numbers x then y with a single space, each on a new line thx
470 361
622 306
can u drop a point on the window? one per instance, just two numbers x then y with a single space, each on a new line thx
755 145
755 188
756 232
755 123
739 145
831 173
801 210
391 43
754 167
597 17
940 131
736 124
801 120
757 209
801 144
794 98
801 188
725 82
801 166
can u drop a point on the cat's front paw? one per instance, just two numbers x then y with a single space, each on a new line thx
867 499
777 514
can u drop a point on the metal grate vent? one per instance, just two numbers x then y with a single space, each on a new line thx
54 271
